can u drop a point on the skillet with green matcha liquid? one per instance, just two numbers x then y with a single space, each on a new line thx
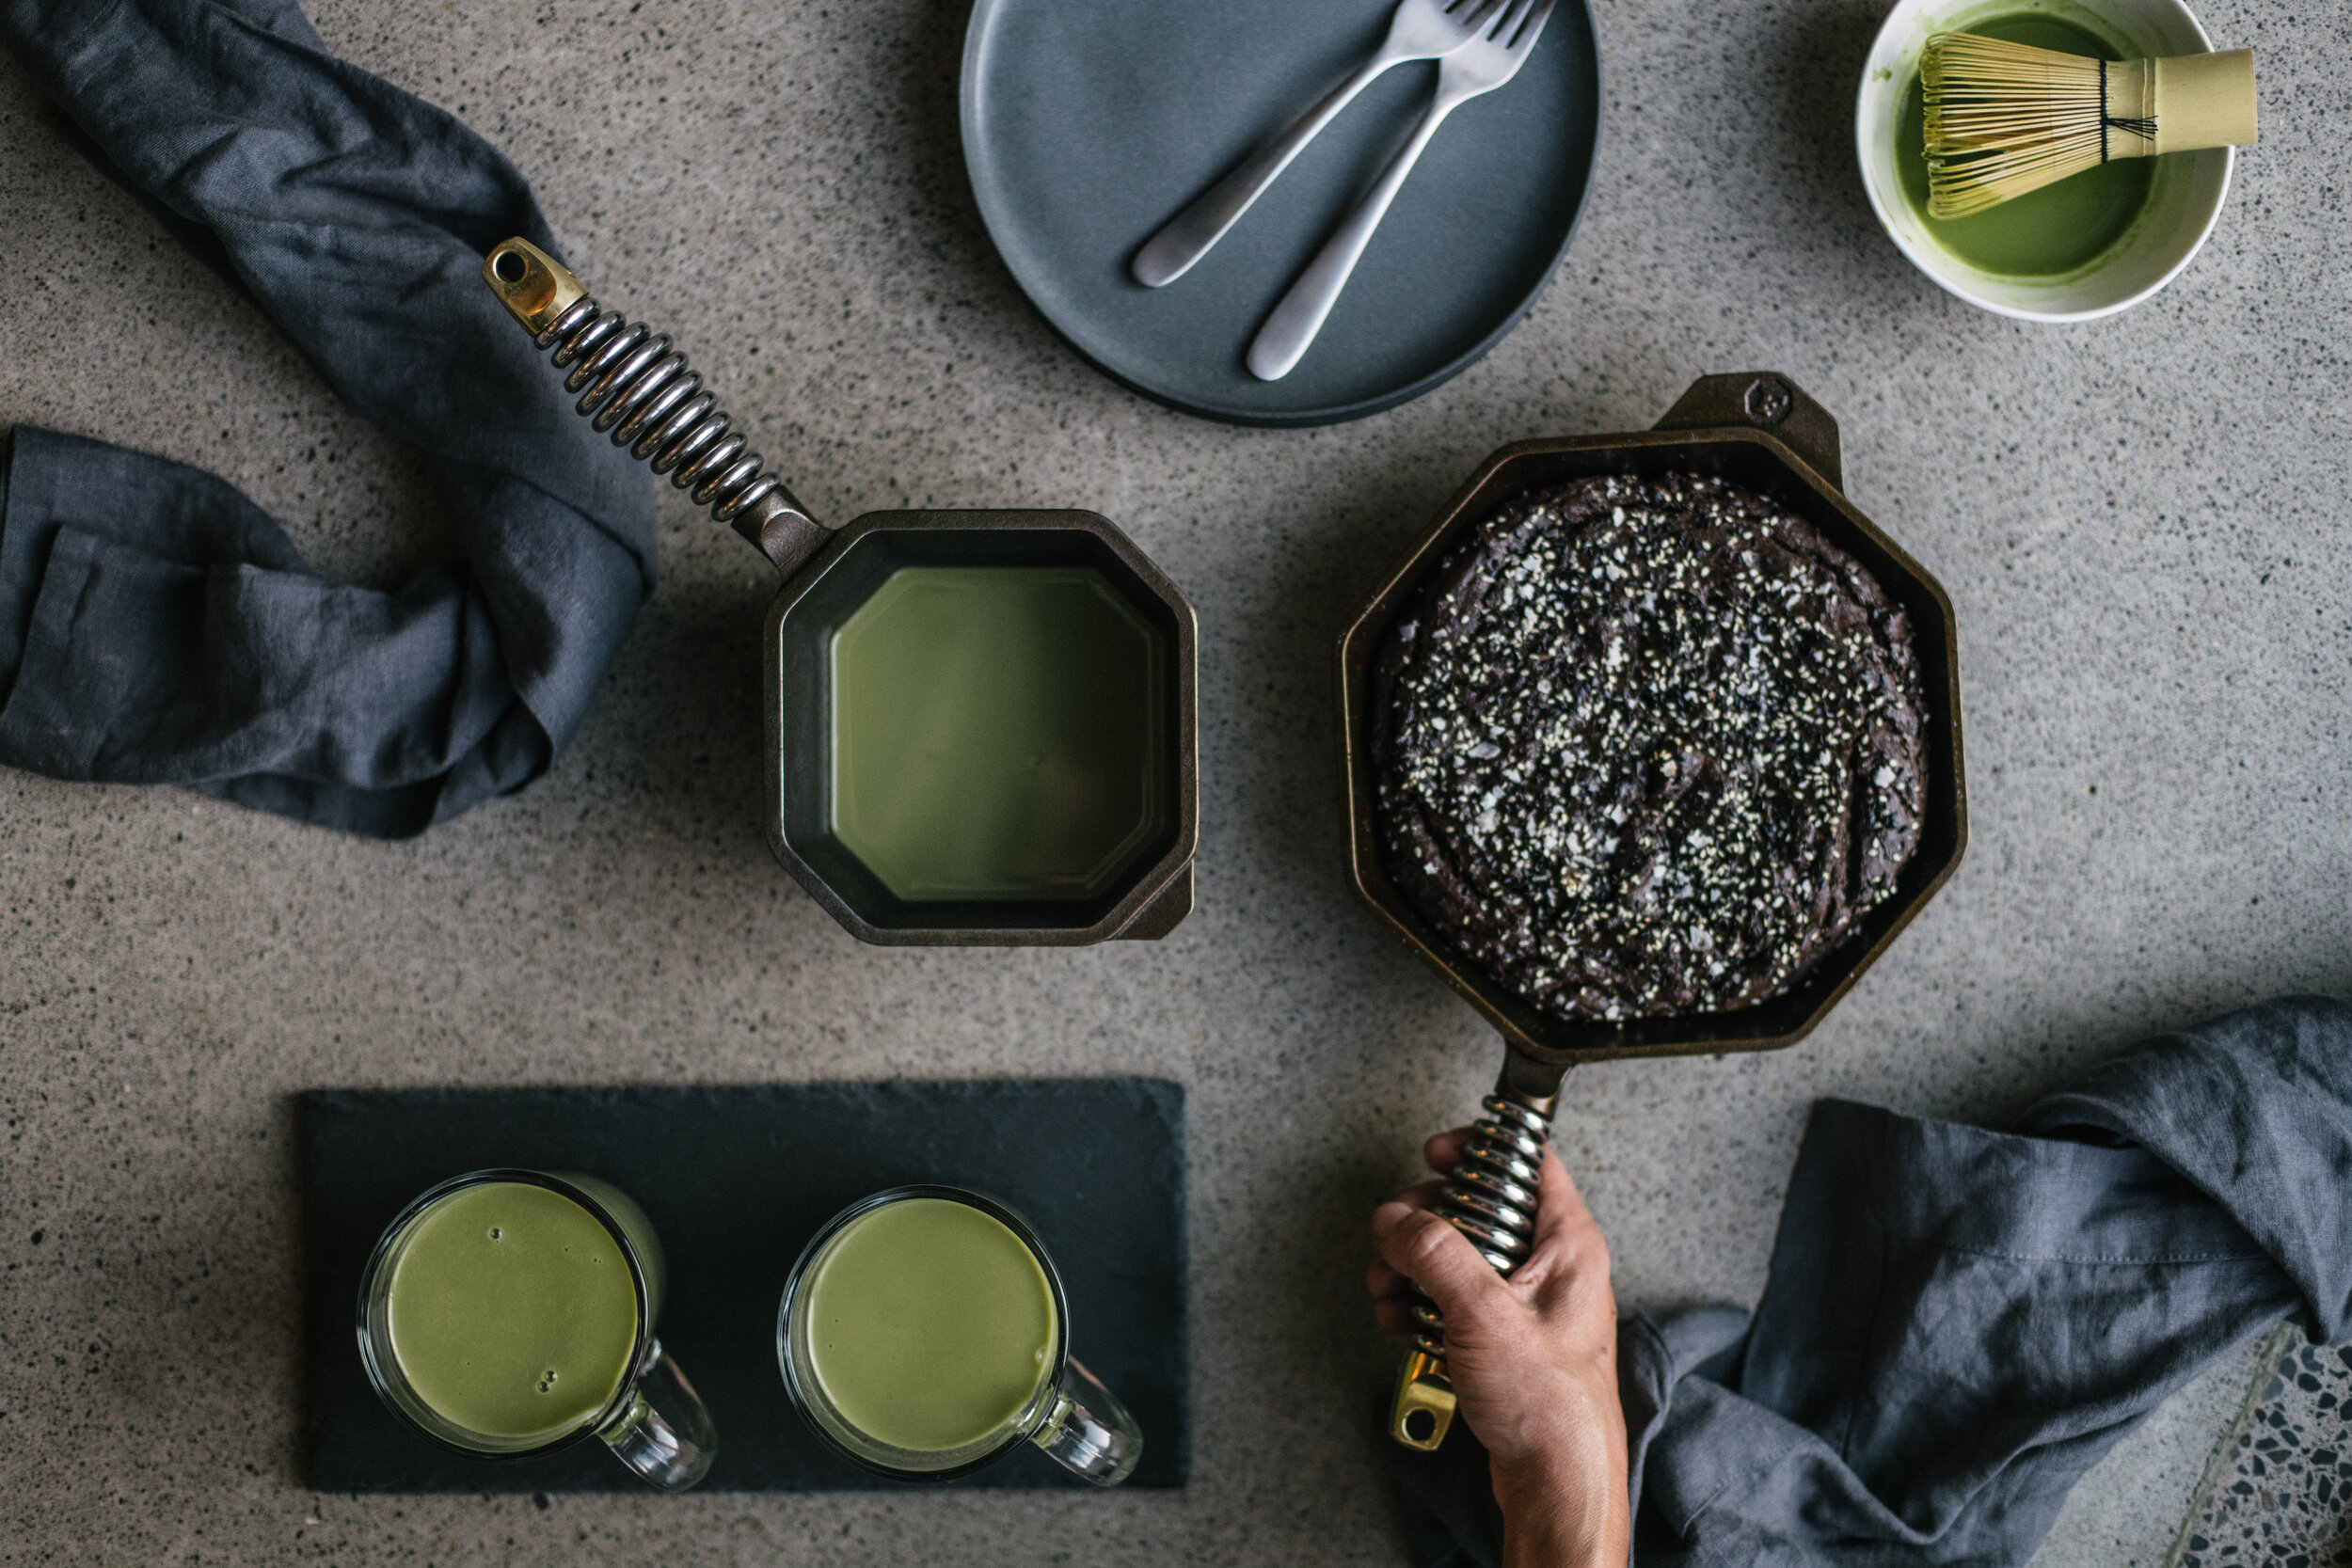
2057 228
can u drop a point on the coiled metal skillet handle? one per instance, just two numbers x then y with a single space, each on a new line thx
1490 1198
632 386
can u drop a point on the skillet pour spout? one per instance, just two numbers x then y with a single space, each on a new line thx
634 387
1757 430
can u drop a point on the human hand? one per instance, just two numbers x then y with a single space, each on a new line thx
1533 1360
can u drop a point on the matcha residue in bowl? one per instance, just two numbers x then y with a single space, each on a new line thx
2059 229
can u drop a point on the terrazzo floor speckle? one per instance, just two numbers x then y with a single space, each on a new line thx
2279 1492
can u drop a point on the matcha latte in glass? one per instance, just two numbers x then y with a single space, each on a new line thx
923 1334
510 1313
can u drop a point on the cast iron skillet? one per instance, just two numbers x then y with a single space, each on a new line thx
824 588
633 386
1758 431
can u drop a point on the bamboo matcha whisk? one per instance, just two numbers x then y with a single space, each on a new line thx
2003 118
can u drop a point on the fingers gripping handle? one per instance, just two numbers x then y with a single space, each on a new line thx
1491 1199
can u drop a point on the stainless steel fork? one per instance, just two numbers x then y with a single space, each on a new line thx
1489 61
1419 30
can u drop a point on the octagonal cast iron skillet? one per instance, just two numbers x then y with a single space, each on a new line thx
1758 431
634 387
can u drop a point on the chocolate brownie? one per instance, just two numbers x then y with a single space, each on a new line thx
1648 746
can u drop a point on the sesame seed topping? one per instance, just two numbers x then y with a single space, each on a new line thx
1649 746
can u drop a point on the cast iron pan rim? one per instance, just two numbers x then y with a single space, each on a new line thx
1364 870
1309 418
1780 450
1153 878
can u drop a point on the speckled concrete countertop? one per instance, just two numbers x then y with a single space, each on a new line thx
2143 523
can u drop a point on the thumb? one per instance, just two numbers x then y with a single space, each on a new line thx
1433 1254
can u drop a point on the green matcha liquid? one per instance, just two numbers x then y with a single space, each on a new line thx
2055 229
513 1312
996 732
930 1325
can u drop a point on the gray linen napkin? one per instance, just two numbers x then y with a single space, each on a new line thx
155 625
1957 1324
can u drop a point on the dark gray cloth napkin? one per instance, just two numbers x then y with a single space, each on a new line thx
155 625
1958 1323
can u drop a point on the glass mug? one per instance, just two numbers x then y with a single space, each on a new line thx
923 1334
510 1313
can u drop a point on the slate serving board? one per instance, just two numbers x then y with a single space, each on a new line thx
736 1180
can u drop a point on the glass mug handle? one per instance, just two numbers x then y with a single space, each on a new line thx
666 1434
1089 1431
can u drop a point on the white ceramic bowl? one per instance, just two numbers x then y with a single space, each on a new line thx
2183 197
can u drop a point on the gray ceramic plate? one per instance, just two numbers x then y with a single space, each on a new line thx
1087 126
